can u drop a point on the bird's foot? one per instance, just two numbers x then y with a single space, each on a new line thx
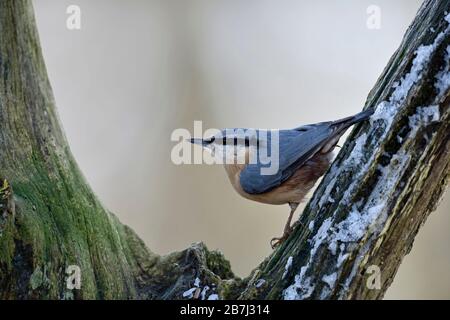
275 242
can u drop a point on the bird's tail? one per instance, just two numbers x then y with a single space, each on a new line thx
348 121
340 126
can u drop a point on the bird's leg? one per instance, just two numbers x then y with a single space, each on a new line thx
275 242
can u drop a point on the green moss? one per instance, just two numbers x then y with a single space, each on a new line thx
53 219
37 278
217 263
7 228
65 224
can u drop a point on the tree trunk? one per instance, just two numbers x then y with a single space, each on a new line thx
363 217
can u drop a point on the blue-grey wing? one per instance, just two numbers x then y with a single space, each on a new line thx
295 147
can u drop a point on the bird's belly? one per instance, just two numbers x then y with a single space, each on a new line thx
278 196
285 193
294 189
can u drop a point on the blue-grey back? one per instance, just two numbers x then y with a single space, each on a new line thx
295 147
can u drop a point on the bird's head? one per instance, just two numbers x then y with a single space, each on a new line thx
231 146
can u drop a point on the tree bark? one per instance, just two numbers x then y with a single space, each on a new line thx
363 217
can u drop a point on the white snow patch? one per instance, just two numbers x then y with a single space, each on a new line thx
300 289
423 117
189 293
357 154
326 195
259 283
423 54
443 76
355 159
353 228
203 294
213 296
330 279
342 257
311 225
384 111
333 247
390 176
287 266
321 235
375 210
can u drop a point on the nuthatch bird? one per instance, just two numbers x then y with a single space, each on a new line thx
304 155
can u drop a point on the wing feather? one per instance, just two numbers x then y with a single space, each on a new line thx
295 148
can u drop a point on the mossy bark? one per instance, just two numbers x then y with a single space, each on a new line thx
50 219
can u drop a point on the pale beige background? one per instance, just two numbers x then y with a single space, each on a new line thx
139 69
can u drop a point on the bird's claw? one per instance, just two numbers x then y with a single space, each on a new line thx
275 242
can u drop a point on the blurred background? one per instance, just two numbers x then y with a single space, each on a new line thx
139 69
